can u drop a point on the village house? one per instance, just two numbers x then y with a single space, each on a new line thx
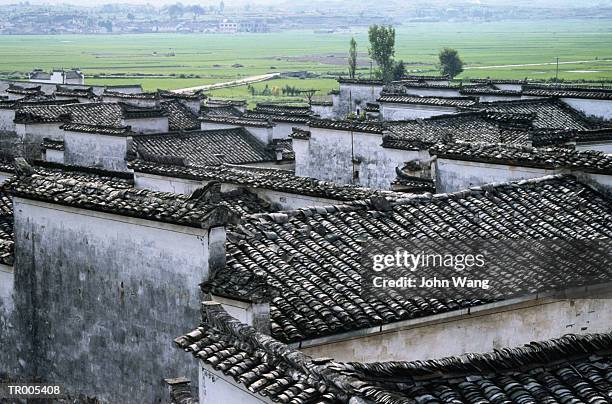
105 271
302 269
464 165
279 187
73 76
239 363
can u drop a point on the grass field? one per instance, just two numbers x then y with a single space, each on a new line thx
197 59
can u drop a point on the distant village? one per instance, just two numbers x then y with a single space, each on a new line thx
217 17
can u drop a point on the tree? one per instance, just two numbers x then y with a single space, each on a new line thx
382 49
352 59
450 62
399 70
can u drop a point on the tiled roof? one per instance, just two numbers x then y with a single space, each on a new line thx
499 81
20 90
52 144
95 113
179 116
360 81
347 125
280 117
467 126
230 120
92 194
285 146
220 110
570 369
218 101
486 90
298 133
33 101
567 92
133 96
195 96
549 113
425 84
308 259
437 101
418 77
264 366
75 92
322 103
6 229
266 178
372 107
104 130
281 109
129 111
209 147
551 158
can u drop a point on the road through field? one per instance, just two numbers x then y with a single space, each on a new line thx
529 64
234 83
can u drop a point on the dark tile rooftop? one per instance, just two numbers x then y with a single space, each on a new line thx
278 117
298 133
570 369
322 103
180 117
92 194
220 110
22 90
6 228
239 121
360 81
104 130
86 92
285 146
550 158
266 178
193 96
487 90
568 92
307 261
209 147
549 113
281 109
348 125
52 144
467 126
134 96
419 77
436 101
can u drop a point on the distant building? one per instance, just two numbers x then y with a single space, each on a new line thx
72 76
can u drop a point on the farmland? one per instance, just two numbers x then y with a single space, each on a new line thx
173 61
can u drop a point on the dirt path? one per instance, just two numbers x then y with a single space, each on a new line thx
235 83
529 64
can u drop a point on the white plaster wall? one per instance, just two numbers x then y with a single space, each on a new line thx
4 176
511 87
455 175
285 200
214 125
95 150
55 156
264 134
324 111
432 91
355 96
118 289
6 289
328 156
282 130
7 117
35 132
400 112
597 108
602 147
216 388
165 184
147 125
476 332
